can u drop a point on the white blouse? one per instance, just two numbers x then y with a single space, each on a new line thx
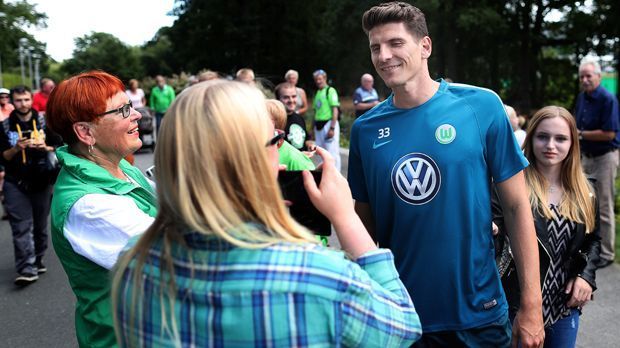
99 226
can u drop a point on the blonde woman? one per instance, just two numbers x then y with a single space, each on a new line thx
566 220
224 263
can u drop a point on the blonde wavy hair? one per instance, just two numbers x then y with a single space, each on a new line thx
214 178
577 203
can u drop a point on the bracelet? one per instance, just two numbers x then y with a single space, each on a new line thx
580 135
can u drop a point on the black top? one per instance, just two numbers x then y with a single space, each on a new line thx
295 131
561 231
33 170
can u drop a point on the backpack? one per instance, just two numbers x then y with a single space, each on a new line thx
338 107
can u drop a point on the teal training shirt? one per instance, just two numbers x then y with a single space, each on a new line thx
426 174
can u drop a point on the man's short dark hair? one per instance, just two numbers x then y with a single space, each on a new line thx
20 90
396 12
281 86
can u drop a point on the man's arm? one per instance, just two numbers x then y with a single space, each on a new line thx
528 328
363 211
597 135
366 106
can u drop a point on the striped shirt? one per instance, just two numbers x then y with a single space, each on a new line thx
284 295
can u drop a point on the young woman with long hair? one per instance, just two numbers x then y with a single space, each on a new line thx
566 220
224 264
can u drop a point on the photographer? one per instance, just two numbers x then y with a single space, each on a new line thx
28 183
223 245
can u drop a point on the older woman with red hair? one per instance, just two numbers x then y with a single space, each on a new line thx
100 200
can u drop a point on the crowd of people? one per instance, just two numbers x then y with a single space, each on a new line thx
458 225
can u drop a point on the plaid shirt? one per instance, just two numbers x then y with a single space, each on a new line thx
285 295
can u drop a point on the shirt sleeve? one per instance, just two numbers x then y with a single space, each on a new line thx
377 310
99 225
357 97
332 97
4 140
610 113
171 94
503 154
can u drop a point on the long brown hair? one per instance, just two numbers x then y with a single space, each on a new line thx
577 203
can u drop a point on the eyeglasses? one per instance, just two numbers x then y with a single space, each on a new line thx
278 138
124 110
4 96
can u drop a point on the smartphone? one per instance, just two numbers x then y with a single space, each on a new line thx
26 134
150 172
301 209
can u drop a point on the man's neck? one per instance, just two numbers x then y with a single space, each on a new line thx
24 117
415 93
592 91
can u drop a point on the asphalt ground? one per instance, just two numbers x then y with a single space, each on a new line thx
42 314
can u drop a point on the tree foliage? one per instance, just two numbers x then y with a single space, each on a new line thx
526 50
106 52
15 17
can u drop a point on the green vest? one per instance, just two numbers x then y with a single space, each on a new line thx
89 281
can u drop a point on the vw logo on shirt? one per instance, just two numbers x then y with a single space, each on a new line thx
416 178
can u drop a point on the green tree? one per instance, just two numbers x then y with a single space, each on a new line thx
104 51
15 17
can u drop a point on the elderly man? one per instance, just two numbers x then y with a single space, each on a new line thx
245 75
39 100
326 108
162 96
365 96
596 113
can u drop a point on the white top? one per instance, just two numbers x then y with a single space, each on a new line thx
136 99
520 135
99 226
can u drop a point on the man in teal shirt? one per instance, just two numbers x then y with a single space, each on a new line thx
162 96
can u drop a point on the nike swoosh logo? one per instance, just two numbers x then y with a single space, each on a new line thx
376 145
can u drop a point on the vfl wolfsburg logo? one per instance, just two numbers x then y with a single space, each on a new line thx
445 134
416 178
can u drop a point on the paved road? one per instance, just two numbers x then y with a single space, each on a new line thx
41 315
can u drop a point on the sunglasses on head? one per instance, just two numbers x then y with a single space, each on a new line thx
278 138
124 110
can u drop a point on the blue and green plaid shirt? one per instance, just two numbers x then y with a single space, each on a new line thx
285 295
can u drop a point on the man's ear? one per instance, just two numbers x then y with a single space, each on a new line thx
427 47
84 132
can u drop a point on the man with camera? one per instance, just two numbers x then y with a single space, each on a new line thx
30 173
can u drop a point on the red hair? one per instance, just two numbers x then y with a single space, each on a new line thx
79 99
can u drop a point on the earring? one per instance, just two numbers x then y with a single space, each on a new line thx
90 149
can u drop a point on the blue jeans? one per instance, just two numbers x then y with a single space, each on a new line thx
158 118
496 334
563 333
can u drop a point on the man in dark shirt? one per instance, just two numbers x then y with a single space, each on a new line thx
295 124
596 113
25 147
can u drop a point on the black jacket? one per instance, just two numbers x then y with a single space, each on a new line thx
581 257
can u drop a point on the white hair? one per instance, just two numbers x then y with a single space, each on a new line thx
291 72
591 61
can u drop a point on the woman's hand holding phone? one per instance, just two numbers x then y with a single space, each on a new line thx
333 199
